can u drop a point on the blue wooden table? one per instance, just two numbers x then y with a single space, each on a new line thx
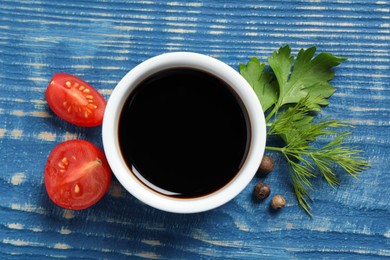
100 40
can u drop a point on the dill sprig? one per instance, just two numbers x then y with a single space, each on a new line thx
308 160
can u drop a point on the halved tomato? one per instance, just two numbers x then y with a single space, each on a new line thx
77 174
75 101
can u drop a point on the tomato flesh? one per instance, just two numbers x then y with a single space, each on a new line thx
75 101
77 174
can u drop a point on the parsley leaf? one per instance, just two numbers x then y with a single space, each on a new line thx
306 77
261 81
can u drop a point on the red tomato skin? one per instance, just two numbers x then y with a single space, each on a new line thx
80 180
75 101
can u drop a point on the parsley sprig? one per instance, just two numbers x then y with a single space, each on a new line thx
291 90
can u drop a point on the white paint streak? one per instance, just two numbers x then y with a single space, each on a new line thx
316 8
107 92
38 65
218 26
109 68
21 113
171 48
37 79
65 231
179 30
241 226
47 136
384 10
62 246
69 136
377 97
38 89
201 236
358 96
42 136
339 250
176 38
20 100
319 229
133 28
20 226
148 255
20 242
216 32
16 134
36 229
41 114
182 24
370 122
18 178
274 229
15 226
2 132
367 109
324 24
185 11
152 242
81 66
28 208
184 4
182 18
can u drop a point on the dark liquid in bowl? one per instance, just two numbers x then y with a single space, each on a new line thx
184 133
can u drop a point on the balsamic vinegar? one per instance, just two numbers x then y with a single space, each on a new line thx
184 132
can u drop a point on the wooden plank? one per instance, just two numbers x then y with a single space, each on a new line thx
101 40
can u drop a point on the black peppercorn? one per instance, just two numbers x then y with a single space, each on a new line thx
266 166
278 202
261 191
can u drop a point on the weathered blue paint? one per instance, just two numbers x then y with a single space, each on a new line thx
101 40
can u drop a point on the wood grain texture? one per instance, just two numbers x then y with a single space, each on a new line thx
100 40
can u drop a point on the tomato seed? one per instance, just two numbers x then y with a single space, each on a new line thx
65 161
91 106
61 165
76 188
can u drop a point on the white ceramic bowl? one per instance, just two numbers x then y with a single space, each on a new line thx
183 60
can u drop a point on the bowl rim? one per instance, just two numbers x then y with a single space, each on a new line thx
183 60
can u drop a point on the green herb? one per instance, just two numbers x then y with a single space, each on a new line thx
290 91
